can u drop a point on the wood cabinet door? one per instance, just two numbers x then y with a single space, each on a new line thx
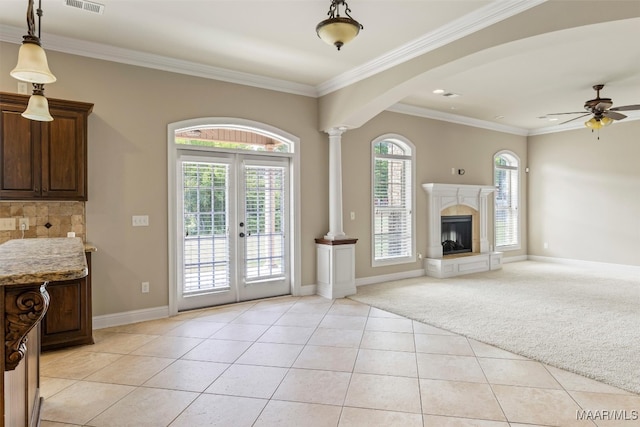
64 157
20 154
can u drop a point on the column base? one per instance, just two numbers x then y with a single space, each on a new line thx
336 267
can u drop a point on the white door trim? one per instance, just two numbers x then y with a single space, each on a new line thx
173 179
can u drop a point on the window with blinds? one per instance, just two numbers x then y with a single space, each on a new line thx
206 239
507 214
392 202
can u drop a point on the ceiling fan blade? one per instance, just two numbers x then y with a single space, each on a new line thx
575 118
626 108
613 115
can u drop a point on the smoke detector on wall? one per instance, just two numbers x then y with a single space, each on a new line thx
88 6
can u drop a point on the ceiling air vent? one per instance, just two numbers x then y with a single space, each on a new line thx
88 6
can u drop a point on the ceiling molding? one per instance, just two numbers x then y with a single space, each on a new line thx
475 21
454 118
131 57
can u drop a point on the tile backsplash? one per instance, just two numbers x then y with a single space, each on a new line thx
62 217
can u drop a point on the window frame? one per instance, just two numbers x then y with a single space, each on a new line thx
518 229
407 145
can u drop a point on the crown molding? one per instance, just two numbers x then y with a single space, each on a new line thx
454 118
11 34
477 20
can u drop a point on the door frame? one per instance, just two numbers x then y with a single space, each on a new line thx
174 149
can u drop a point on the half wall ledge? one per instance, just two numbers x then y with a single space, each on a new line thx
336 267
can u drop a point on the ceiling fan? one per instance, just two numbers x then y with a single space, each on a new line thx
601 110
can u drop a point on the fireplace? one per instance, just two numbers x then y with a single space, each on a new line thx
457 234
458 222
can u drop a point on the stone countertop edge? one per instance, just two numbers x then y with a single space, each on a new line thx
89 247
26 261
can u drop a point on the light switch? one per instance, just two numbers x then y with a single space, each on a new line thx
140 220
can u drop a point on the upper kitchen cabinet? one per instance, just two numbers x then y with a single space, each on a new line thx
43 160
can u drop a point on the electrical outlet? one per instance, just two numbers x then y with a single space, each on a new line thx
140 220
23 88
7 224
144 288
353 216
23 223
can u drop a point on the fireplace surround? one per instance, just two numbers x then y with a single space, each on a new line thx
459 200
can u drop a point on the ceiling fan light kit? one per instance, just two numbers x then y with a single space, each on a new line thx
338 30
32 67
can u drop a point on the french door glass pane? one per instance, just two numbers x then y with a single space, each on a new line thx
265 223
205 219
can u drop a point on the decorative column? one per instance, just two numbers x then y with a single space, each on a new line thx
336 251
335 185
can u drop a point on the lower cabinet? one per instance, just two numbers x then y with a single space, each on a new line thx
69 318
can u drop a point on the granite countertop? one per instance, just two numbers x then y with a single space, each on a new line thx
24 261
89 247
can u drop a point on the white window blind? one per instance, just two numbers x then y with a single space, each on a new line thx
265 223
392 201
506 176
206 239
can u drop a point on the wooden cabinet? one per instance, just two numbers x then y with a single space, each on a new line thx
69 318
43 160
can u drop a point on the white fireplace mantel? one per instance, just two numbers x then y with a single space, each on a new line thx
442 196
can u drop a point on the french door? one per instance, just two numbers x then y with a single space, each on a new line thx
233 224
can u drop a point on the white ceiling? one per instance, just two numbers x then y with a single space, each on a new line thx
272 43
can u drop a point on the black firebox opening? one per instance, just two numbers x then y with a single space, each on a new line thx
456 234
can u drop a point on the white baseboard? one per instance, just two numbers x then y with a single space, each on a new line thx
514 258
589 264
308 290
127 317
389 277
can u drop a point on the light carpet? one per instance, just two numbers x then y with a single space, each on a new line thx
580 319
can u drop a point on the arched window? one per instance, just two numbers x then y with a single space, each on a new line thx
507 200
393 198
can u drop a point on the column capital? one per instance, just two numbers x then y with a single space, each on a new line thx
337 131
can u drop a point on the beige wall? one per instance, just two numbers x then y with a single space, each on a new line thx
128 165
584 194
128 162
440 146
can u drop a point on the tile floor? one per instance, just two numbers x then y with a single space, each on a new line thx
311 362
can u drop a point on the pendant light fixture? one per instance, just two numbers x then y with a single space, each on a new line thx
32 64
33 68
338 30
38 107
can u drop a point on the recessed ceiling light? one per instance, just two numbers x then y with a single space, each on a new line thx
499 117
438 91
553 119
